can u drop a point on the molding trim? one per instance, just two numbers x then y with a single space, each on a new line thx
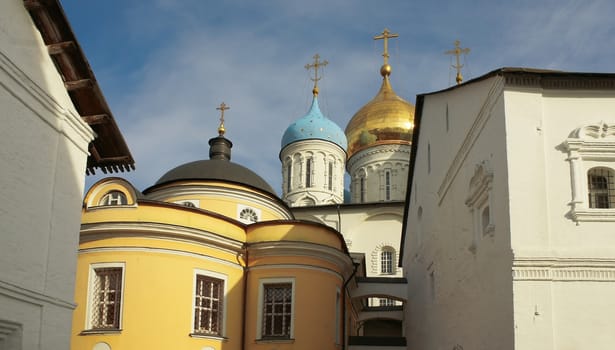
42 104
563 270
97 231
159 251
475 130
33 297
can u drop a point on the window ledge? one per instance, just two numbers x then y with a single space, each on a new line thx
208 336
603 215
100 331
275 340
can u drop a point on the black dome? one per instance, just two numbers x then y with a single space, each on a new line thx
216 169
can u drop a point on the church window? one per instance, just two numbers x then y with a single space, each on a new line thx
208 305
289 176
386 302
276 310
362 189
591 154
330 176
106 296
308 172
113 198
248 215
600 188
480 202
386 261
387 185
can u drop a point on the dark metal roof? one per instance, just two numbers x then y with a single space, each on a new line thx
215 169
108 151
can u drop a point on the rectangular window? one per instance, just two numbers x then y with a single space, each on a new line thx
362 189
308 172
330 176
386 262
387 185
208 305
277 310
600 184
106 297
288 177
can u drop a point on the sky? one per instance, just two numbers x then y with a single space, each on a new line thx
164 66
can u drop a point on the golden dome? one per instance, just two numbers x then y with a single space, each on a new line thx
386 119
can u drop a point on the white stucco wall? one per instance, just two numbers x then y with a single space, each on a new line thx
460 289
43 150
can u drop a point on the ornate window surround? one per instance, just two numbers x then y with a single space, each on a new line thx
588 147
480 200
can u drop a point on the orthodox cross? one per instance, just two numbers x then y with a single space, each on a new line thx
457 51
317 63
386 35
223 107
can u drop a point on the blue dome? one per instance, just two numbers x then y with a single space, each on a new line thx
314 125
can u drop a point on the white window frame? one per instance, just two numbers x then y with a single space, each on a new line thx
590 146
391 259
224 279
110 199
91 298
261 295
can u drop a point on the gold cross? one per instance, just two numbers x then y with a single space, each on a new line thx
457 51
317 63
386 35
223 107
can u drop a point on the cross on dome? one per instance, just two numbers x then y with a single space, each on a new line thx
457 51
317 63
223 107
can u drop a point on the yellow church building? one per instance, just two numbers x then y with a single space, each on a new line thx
207 258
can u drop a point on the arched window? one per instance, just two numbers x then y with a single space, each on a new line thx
386 260
308 172
248 215
113 198
289 176
387 185
600 188
330 176
362 189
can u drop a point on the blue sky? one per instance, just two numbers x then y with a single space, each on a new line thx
164 65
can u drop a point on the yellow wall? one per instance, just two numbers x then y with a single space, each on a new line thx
158 300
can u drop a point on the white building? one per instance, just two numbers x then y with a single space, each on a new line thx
509 240
48 96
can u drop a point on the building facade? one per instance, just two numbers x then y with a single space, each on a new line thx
509 213
47 140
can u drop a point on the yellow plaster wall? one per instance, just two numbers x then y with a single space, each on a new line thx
157 302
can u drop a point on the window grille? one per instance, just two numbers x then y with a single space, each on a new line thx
208 305
386 302
600 188
249 215
277 310
107 295
113 198
386 262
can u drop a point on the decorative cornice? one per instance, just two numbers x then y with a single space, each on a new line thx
33 297
98 231
560 269
207 190
305 249
379 149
